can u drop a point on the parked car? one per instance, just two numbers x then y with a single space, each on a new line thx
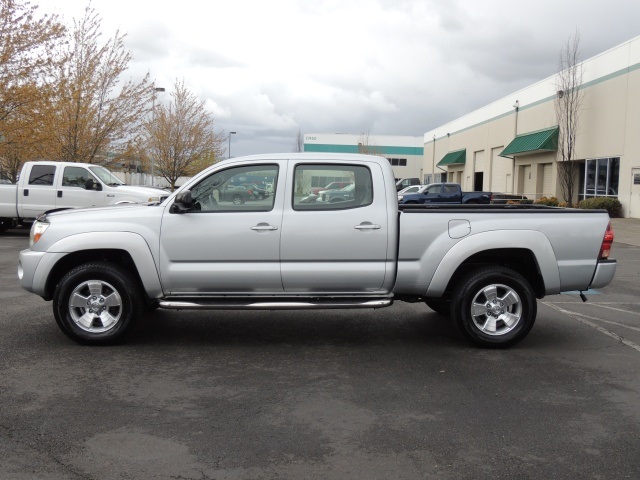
46 185
444 193
407 182
256 192
342 195
331 186
237 194
411 189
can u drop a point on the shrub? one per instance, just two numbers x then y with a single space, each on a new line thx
611 205
526 201
549 201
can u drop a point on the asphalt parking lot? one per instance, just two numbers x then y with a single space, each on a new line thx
391 393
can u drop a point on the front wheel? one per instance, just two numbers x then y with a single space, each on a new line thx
97 303
494 307
238 200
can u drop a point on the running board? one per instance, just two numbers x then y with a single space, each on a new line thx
274 304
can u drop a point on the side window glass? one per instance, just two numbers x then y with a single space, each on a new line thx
42 174
237 189
77 177
434 189
355 190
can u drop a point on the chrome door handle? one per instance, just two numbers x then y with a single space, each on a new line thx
264 226
367 226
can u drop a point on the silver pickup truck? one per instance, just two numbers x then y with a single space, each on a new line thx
482 265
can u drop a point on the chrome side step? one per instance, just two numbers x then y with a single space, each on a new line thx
274 303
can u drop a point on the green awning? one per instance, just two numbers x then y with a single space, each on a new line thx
457 157
534 142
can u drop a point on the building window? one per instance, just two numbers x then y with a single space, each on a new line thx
599 177
398 162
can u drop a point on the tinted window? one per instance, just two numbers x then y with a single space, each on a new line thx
76 177
358 191
237 189
42 174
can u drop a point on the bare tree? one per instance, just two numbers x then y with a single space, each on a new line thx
298 144
93 110
180 139
367 146
568 104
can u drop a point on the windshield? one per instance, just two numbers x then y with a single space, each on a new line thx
106 176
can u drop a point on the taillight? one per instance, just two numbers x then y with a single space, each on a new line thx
605 248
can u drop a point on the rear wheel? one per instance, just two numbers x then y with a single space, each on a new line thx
97 303
494 307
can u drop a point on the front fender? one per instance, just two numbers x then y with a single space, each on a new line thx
131 242
535 241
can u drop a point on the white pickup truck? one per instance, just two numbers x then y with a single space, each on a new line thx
481 265
46 186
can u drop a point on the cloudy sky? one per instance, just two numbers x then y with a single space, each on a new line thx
386 67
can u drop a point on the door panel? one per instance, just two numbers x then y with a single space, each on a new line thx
39 194
222 246
340 246
78 189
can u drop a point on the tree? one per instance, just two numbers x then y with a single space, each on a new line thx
568 104
367 146
26 41
93 111
298 144
180 138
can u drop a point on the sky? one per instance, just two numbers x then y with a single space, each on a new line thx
267 70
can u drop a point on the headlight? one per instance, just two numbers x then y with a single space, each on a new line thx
37 230
153 199
400 197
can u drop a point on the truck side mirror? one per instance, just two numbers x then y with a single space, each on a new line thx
91 184
183 202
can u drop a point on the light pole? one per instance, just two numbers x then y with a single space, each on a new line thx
153 121
229 150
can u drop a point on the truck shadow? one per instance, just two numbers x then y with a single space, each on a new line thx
327 327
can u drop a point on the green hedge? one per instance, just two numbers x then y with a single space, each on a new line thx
611 205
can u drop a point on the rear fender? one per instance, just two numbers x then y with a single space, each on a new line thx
537 242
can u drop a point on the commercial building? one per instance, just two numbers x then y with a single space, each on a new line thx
510 145
405 154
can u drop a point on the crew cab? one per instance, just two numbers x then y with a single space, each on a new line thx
45 186
436 193
483 266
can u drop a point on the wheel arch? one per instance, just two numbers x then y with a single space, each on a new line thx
136 257
527 252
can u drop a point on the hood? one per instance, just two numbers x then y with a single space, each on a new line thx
145 192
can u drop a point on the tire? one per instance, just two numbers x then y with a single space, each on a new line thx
5 224
442 307
494 307
238 200
97 303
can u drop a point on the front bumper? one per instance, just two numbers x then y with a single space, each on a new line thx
605 270
27 265
34 269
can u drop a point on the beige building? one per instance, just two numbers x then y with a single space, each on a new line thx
511 145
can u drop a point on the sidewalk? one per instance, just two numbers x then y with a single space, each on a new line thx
626 230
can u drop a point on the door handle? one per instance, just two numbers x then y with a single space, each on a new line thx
367 226
263 227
